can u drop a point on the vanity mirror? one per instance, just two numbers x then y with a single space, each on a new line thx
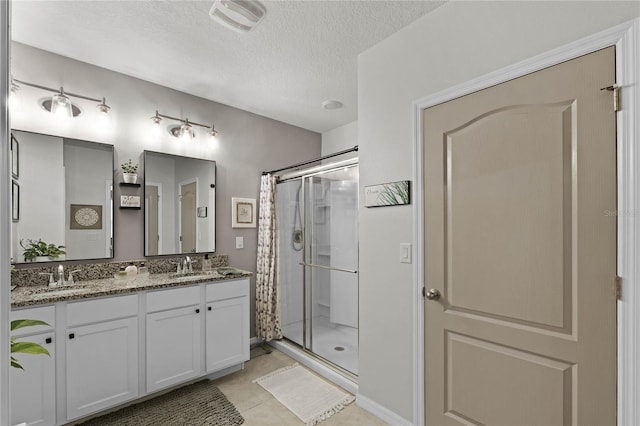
65 199
179 204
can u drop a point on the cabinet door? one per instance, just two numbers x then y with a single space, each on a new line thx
102 366
33 390
173 347
227 333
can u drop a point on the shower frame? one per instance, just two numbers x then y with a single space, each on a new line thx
302 175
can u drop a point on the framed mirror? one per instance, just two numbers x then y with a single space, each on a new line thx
65 199
179 204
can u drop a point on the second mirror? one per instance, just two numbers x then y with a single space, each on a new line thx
179 200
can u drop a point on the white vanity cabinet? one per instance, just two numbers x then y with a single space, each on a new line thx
110 350
101 354
174 337
227 324
33 397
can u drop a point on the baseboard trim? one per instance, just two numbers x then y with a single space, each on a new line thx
381 412
255 340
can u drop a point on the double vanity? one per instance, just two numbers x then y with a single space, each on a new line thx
115 340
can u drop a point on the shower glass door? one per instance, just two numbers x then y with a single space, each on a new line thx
319 263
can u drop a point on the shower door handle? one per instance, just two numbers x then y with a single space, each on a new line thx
351 271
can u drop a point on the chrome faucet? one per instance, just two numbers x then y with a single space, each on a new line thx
60 275
187 265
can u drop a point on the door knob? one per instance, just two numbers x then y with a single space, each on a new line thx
432 294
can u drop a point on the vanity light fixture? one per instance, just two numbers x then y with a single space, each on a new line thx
60 103
184 130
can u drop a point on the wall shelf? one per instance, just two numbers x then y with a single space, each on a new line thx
136 185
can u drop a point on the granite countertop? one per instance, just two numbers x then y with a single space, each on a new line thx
41 294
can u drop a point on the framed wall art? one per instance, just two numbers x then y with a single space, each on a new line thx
15 157
243 212
85 216
387 194
15 201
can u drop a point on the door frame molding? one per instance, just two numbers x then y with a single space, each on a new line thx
626 38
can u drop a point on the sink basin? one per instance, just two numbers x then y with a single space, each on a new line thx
193 275
59 290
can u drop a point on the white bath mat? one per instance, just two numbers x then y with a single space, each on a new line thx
304 394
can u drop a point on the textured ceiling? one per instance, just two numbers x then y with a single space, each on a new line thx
304 52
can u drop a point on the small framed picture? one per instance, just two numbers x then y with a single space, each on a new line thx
15 157
15 201
85 216
243 212
129 201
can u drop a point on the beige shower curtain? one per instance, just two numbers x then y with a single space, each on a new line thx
267 303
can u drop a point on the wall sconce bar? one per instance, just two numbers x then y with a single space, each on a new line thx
184 130
60 102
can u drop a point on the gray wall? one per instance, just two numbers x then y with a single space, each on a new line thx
247 145
456 43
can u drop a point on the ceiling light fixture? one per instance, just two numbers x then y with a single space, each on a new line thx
60 103
331 104
239 15
184 130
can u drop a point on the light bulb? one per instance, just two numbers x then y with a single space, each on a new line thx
104 118
186 132
61 105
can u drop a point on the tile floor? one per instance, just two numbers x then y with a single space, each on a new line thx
260 408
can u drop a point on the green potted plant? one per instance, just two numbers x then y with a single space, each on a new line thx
129 172
41 251
25 347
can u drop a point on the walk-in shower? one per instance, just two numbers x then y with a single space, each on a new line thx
318 261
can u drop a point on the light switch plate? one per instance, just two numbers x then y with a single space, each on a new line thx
239 242
405 252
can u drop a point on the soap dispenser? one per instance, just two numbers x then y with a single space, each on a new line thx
206 263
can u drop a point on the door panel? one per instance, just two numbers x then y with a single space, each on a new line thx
188 217
517 180
507 162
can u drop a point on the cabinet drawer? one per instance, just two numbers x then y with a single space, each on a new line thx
227 290
174 298
44 313
102 310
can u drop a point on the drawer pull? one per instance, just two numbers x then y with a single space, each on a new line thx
72 336
48 340
197 311
209 308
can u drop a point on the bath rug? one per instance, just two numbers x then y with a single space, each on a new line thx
199 404
305 394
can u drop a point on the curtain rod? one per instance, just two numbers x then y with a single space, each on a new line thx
335 154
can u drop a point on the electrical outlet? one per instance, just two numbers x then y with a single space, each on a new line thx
239 242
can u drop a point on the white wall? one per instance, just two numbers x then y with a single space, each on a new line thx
42 192
88 170
455 43
339 139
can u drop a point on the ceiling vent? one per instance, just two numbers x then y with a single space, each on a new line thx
238 15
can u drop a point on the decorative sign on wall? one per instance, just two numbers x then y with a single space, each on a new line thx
85 216
129 201
387 194
243 212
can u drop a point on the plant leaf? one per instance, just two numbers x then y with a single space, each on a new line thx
16 324
28 348
15 363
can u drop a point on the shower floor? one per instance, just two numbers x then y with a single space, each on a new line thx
335 343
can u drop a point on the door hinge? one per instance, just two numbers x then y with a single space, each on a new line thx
424 292
618 287
616 95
